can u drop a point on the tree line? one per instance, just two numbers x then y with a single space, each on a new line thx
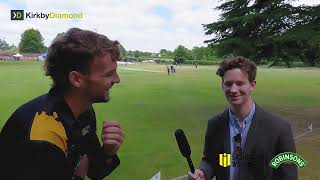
180 54
32 42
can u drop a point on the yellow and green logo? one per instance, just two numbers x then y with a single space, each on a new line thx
224 160
287 157
17 14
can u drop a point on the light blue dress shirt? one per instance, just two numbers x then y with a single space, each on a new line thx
235 128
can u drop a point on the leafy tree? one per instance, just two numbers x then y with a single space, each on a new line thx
180 54
166 54
265 29
204 53
190 55
31 42
13 48
231 31
210 53
303 40
198 53
3 45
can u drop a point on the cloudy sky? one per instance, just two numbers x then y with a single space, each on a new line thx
145 25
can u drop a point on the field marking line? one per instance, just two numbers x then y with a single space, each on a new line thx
305 133
179 177
301 135
145 70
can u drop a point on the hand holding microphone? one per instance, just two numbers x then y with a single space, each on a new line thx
184 147
185 150
197 175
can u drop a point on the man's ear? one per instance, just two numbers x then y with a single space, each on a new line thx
75 78
253 84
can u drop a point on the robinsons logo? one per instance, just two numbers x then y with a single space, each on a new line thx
19 15
287 157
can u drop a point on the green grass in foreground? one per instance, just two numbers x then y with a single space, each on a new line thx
308 147
151 105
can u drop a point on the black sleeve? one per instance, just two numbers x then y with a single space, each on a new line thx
286 144
21 158
98 167
46 162
34 160
208 158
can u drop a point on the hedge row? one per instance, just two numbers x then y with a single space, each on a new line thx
201 62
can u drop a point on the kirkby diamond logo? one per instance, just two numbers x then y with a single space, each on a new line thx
17 14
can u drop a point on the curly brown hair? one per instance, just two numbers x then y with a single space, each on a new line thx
245 64
74 51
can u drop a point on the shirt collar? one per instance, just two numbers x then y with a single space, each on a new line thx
234 120
63 109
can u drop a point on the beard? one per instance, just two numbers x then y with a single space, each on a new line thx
101 98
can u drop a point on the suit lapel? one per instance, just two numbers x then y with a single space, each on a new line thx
226 139
226 130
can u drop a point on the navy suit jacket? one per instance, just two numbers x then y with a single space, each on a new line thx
268 136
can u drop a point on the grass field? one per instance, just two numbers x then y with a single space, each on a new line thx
151 105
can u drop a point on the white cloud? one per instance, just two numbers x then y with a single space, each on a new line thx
306 2
128 21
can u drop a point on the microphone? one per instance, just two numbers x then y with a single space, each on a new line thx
184 147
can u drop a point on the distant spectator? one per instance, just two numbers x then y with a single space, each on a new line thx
173 70
168 69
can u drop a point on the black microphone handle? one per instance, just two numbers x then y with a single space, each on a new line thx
190 164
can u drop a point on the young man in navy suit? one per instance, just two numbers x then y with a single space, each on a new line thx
244 130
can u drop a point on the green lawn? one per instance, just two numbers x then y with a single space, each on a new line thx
151 105
309 148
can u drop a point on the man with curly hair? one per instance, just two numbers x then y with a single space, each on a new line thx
244 133
54 135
